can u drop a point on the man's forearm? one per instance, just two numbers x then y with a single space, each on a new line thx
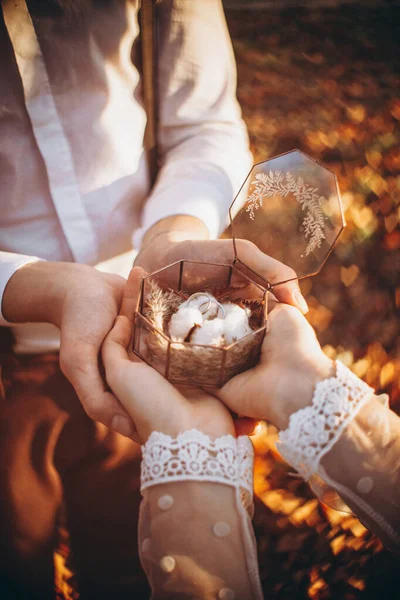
35 292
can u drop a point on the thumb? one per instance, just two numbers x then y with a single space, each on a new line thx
130 300
273 271
142 391
114 349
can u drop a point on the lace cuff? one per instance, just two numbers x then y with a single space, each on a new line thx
314 430
193 456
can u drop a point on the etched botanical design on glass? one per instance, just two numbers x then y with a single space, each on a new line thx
280 184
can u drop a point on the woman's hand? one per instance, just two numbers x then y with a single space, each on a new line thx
151 401
291 363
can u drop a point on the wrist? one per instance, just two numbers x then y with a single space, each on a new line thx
193 456
186 416
212 429
299 387
162 244
177 228
173 427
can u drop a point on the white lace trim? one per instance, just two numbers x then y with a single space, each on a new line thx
193 456
314 430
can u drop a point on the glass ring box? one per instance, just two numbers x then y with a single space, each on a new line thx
202 323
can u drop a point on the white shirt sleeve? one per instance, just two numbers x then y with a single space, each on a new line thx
195 534
202 138
9 264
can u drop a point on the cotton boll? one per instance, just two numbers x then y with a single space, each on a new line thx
185 318
237 313
210 333
235 329
236 323
231 308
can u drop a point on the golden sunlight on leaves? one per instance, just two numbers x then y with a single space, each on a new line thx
388 373
304 513
395 108
317 584
338 544
319 316
356 113
374 158
359 584
349 275
364 218
391 160
64 583
392 240
361 367
341 106
391 222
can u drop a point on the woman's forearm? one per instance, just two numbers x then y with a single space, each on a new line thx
364 468
348 437
195 535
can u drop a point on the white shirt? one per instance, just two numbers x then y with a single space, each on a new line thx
73 172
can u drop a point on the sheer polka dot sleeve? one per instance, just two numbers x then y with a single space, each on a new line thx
195 533
349 439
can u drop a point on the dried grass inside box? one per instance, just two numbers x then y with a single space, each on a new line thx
290 208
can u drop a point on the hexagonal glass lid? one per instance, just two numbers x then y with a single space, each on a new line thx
290 208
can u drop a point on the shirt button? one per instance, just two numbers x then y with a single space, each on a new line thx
226 594
167 564
165 502
221 529
365 485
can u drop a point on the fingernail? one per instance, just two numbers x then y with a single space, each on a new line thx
123 425
300 301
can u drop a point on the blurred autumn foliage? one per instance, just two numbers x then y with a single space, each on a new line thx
328 82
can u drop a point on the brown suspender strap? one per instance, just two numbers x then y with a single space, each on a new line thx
148 33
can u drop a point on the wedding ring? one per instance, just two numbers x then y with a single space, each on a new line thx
210 308
214 310
206 303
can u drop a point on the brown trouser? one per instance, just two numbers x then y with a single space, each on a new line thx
53 455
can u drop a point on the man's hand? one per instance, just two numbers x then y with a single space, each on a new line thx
184 237
84 304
